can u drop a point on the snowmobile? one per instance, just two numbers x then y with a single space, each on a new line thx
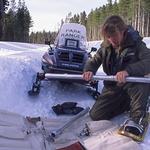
68 55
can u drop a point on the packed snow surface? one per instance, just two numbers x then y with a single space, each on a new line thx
19 63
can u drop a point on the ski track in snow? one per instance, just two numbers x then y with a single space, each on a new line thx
19 63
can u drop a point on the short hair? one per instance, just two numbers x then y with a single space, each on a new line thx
112 25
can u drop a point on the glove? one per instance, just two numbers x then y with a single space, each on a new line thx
68 108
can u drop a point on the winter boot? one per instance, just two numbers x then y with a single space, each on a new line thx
135 130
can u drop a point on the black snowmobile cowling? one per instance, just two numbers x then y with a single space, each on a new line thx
69 53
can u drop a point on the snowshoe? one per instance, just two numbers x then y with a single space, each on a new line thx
133 130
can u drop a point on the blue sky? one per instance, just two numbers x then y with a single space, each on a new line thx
47 14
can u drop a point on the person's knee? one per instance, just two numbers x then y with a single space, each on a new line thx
141 87
96 116
93 116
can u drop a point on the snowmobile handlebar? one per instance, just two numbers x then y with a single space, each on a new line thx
145 79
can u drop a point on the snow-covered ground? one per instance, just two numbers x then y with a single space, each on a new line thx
19 63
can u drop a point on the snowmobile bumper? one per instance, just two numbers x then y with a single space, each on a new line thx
52 69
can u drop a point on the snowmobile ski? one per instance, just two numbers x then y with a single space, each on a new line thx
36 85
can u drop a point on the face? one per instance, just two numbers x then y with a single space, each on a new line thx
115 39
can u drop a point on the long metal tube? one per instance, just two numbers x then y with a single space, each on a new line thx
71 121
96 77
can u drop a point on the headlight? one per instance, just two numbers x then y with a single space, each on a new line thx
46 58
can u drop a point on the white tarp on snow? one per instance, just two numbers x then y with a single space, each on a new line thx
17 133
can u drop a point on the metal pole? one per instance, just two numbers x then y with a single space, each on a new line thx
72 120
96 77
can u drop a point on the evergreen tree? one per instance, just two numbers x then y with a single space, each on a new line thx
9 28
22 23
68 17
146 4
10 22
109 7
75 19
3 7
90 26
83 18
15 24
125 9
115 8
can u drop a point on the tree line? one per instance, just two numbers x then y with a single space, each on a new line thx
42 37
15 21
134 12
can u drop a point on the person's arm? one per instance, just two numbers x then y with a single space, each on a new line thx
121 76
92 65
142 67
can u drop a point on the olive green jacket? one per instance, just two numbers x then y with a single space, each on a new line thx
133 56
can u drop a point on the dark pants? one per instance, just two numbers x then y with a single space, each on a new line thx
115 100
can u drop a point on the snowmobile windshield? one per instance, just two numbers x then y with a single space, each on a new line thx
72 35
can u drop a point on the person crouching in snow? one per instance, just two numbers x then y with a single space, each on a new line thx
123 54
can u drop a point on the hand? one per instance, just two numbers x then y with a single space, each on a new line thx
87 75
121 76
